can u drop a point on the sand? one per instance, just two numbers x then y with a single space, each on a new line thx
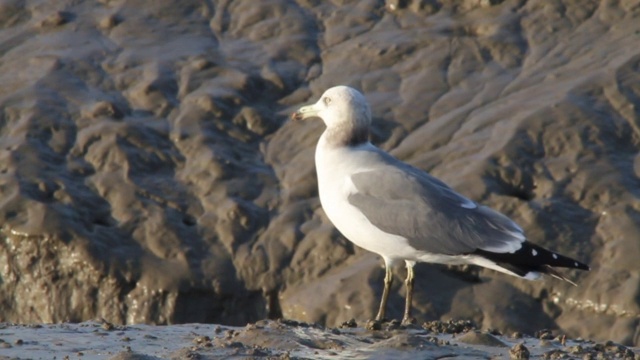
149 174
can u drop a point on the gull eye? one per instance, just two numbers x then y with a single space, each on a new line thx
326 100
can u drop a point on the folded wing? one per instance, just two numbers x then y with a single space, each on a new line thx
405 201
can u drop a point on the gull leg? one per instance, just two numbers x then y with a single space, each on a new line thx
388 280
407 319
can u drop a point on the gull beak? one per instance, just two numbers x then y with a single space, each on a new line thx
305 112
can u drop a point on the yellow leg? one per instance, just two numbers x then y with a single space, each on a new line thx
407 319
388 280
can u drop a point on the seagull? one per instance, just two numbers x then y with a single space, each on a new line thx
404 214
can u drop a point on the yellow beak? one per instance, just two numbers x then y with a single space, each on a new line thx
305 112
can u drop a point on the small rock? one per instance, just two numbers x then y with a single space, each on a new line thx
555 354
544 334
107 325
519 352
449 327
373 325
577 349
349 324
262 323
257 352
200 340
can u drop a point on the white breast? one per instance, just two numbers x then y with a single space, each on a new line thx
335 167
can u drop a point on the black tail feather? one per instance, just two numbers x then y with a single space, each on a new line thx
533 258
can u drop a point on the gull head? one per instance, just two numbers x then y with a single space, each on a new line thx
340 107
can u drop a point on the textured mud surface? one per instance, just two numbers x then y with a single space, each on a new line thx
148 173
291 340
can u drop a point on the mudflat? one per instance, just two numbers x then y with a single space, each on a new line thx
286 339
149 173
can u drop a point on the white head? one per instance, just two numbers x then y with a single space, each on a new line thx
344 111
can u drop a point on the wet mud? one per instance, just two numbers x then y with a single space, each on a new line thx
286 339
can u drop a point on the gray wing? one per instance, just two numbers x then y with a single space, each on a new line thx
405 201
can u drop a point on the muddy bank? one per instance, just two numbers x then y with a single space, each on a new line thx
148 173
293 340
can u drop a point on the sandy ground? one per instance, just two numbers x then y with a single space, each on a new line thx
290 340
149 174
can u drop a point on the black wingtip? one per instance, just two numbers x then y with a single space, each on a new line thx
533 258
576 264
